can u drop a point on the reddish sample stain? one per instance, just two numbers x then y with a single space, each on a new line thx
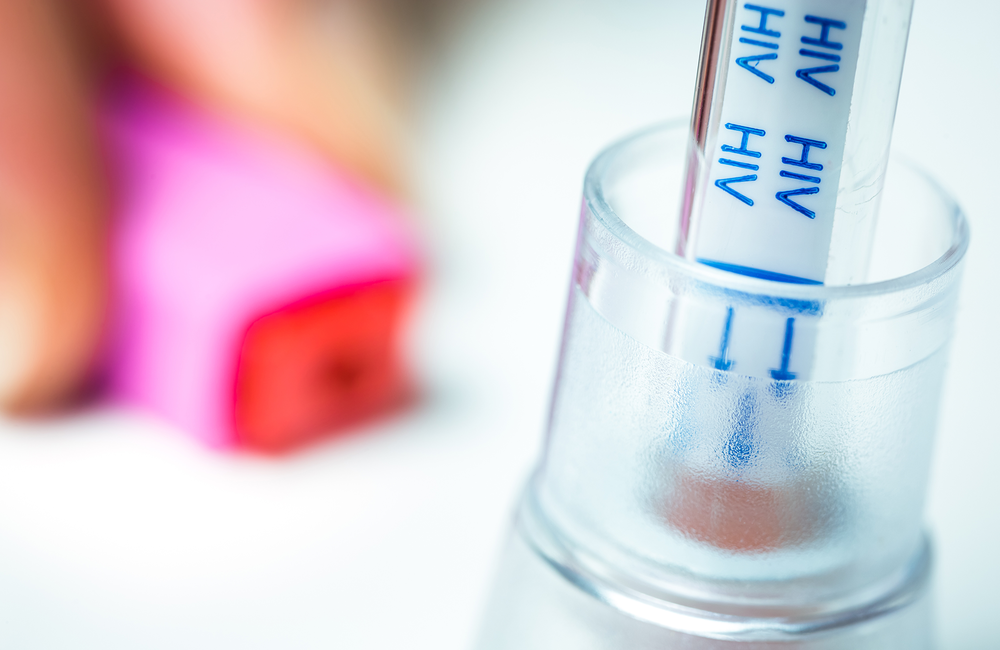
738 516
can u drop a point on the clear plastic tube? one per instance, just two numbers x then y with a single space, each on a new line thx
794 98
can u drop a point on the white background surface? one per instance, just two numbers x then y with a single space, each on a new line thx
116 532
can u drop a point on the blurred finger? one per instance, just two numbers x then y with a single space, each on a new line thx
322 70
52 287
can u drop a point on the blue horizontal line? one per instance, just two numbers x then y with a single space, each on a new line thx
736 163
751 41
757 273
819 55
799 177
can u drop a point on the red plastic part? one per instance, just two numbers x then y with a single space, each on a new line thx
320 365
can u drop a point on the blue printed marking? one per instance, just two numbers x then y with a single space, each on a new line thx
741 448
753 41
806 75
746 61
722 361
747 132
723 183
759 273
736 163
806 145
800 177
824 39
773 303
784 198
819 55
765 13
782 374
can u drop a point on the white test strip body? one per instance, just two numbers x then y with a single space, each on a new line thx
770 175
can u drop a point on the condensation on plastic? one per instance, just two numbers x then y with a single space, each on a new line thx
728 505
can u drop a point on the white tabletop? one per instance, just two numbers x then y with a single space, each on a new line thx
118 532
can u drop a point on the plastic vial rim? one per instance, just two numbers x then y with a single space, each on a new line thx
597 204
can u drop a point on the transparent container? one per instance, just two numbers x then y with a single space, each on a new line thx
677 504
876 64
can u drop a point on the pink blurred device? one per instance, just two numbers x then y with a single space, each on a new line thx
259 291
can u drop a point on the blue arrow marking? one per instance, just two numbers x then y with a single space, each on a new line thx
722 361
741 447
783 374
